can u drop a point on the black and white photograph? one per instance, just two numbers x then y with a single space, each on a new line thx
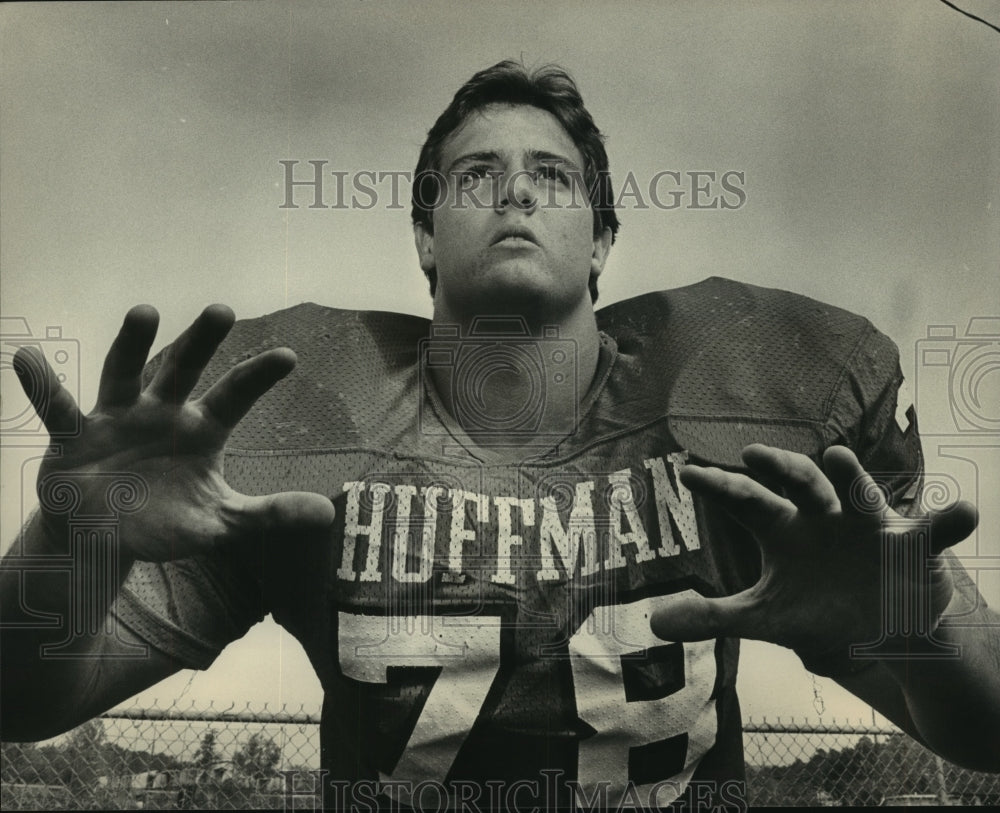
499 406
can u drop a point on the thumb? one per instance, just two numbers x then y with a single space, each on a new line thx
953 524
50 399
696 618
290 511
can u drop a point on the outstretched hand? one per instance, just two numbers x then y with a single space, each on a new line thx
175 445
821 584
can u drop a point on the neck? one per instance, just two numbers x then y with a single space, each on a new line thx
514 375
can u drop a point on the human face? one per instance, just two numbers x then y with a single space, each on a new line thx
516 230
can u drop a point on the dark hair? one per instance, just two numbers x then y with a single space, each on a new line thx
549 88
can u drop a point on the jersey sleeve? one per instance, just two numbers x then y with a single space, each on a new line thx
889 448
190 609
885 438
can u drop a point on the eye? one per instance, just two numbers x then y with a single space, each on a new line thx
471 176
551 172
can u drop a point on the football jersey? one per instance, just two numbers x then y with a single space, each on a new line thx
480 627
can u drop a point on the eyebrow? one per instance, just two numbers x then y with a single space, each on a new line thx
545 157
541 156
487 157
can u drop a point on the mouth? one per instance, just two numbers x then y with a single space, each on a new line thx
515 236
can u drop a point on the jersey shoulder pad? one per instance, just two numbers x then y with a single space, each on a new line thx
779 367
351 366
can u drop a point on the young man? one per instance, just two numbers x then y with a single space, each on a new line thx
503 552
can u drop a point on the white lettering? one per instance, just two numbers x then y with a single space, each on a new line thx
623 509
506 538
425 556
353 528
459 533
567 542
678 504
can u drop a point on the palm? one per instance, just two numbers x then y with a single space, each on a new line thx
831 590
169 444
821 585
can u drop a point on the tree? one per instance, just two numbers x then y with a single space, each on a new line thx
84 756
90 736
257 760
206 754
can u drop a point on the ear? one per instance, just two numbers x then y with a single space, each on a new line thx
424 241
602 248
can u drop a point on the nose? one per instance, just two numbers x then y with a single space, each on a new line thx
519 191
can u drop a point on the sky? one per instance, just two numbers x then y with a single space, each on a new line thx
140 161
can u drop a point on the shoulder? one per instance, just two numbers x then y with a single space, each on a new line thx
725 353
721 315
351 366
318 333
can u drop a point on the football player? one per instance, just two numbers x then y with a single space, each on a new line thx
519 543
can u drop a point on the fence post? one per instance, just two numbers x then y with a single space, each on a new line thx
942 786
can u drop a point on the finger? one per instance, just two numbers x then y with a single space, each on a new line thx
951 525
50 399
121 378
297 512
186 358
857 490
696 618
232 396
801 480
752 505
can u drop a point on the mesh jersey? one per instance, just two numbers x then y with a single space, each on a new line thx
476 621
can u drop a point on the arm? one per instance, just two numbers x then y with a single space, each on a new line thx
949 705
172 448
821 591
44 696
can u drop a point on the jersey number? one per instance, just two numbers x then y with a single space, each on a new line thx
608 652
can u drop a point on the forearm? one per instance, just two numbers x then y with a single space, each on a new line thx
951 704
54 606
955 702
144 468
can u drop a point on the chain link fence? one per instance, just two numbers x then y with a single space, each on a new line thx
826 764
230 759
